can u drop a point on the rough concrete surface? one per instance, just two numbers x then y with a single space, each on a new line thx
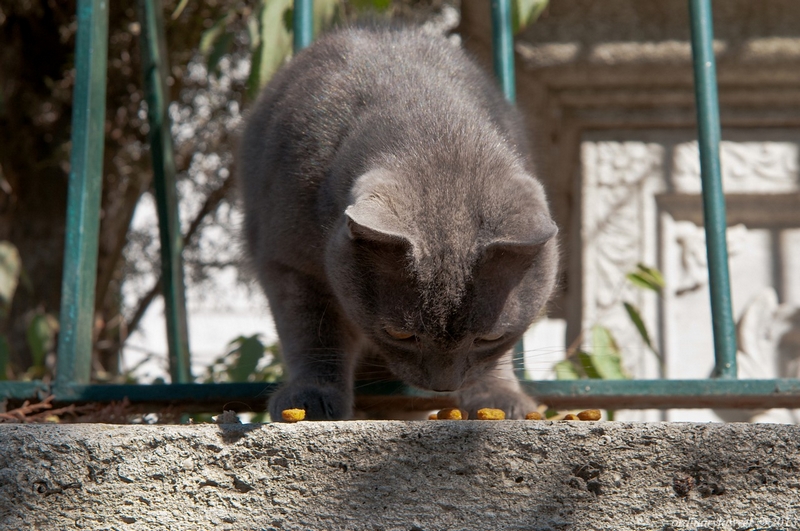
426 475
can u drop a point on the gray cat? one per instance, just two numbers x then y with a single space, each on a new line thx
391 210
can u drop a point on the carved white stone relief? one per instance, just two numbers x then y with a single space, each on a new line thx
691 242
766 167
622 226
768 336
620 180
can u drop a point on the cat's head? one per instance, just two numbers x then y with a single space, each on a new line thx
443 282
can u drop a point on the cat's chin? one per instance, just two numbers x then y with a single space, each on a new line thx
463 388
428 388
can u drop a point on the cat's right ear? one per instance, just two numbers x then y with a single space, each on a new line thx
374 214
370 221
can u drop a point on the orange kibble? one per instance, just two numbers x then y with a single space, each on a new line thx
452 413
433 416
570 416
589 414
488 413
534 415
293 415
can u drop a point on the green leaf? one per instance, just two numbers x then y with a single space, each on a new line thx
252 32
288 19
5 356
565 370
178 10
605 358
647 278
212 34
273 372
609 367
10 271
274 44
371 5
41 337
603 343
587 365
327 13
270 31
250 351
636 318
221 47
653 273
525 13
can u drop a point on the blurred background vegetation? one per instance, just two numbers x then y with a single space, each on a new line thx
210 47
221 52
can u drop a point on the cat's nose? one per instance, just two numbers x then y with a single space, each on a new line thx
445 381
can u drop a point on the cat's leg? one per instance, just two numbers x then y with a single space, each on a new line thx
314 345
497 387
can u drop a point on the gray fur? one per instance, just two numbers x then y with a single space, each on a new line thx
387 184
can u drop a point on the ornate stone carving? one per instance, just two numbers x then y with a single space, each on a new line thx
623 224
691 242
768 335
766 167
620 180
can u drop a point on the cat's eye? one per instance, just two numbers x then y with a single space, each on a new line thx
491 337
397 333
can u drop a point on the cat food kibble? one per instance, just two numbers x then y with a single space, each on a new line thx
293 415
534 415
433 416
570 416
589 414
452 413
488 413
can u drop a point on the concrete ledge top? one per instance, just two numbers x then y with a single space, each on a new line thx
425 475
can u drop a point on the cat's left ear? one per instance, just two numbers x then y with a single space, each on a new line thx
526 224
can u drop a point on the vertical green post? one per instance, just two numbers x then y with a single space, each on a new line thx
83 202
303 23
503 55
503 47
154 68
708 132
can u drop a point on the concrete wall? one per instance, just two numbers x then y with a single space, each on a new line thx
425 475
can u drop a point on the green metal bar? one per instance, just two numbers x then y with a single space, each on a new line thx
708 133
606 394
154 66
203 393
303 23
666 394
83 200
503 47
36 390
189 392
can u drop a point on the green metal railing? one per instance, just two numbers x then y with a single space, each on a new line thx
154 67
74 350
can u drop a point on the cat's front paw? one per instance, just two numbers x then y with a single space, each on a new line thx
320 402
515 404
